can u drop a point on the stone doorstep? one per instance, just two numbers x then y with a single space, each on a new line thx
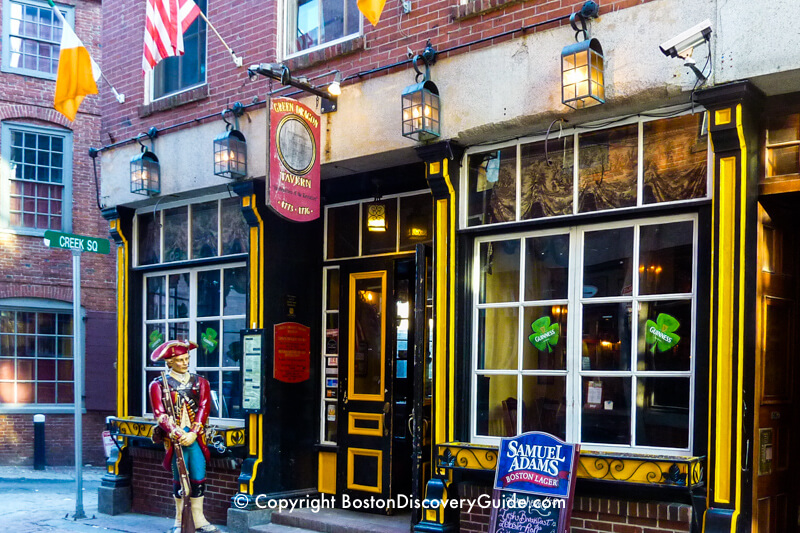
339 521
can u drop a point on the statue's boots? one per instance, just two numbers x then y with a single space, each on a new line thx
200 523
176 526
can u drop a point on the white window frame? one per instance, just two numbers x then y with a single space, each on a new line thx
41 305
7 175
69 15
575 132
149 77
575 301
284 32
149 366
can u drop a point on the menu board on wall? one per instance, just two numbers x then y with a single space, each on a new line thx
252 350
292 361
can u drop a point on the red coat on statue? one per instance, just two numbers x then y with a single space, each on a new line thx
192 401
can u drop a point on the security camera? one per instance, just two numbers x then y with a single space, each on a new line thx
682 45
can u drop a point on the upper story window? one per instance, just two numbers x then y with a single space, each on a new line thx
178 73
201 230
642 162
36 354
316 23
783 147
32 37
39 177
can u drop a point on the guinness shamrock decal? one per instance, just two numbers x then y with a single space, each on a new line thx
544 335
156 339
208 340
661 333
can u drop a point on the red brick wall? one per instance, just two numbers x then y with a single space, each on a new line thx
29 269
594 515
16 439
152 486
250 28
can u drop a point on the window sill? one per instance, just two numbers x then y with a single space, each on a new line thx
28 232
174 100
642 469
29 73
476 8
327 53
33 409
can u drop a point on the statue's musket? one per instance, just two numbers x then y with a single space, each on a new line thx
187 521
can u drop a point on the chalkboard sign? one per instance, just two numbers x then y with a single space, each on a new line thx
519 512
534 484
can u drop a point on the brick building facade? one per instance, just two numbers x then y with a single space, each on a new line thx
48 182
612 220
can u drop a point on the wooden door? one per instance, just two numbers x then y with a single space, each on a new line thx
776 424
365 427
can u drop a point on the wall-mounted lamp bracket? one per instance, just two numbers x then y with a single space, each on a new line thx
578 20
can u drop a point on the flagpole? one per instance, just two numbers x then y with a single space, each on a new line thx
236 60
120 97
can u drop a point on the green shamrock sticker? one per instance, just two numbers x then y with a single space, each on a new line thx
156 339
208 340
544 335
661 333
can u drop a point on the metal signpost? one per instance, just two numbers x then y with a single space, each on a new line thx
78 244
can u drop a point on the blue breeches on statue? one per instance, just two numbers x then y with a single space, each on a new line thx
195 466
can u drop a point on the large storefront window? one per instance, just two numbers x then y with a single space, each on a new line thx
645 161
207 306
587 333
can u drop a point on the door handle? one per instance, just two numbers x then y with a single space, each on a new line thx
410 423
386 408
344 398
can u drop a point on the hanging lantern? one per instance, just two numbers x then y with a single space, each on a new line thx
230 155
582 74
230 148
145 173
420 102
376 216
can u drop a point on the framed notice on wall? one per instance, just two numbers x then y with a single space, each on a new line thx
252 370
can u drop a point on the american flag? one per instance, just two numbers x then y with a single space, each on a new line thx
166 20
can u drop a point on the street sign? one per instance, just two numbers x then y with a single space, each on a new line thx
80 243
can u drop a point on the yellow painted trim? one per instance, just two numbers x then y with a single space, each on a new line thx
351 453
440 431
451 374
351 344
122 321
722 116
724 327
255 422
742 289
326 482
712 319
352 429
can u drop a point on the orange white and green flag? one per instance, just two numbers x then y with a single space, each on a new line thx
77 72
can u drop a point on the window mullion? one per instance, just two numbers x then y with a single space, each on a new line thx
574 349
635 310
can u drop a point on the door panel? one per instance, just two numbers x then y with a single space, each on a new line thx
776 502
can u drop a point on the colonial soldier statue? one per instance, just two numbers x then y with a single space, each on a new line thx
181 409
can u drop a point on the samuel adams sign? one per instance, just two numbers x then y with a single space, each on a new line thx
534 484
293 190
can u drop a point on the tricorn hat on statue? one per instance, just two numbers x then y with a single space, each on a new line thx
172 349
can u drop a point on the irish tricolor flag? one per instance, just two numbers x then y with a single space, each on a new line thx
77 71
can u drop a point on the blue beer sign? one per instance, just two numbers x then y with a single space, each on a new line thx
535 462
